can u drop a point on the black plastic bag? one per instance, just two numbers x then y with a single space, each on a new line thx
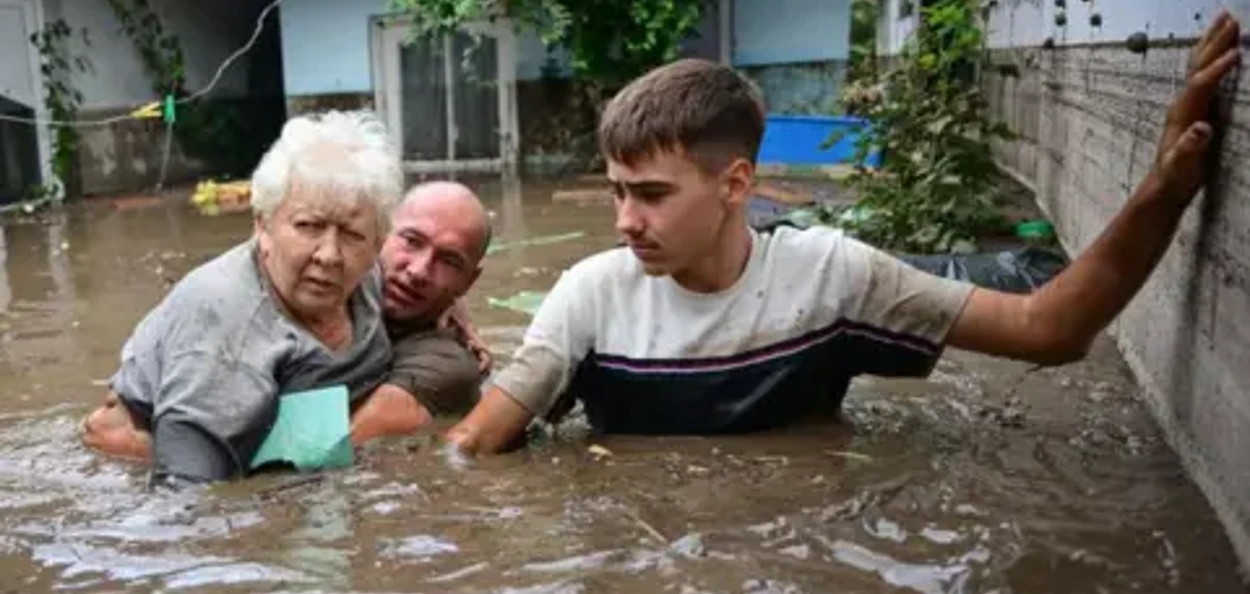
1021 270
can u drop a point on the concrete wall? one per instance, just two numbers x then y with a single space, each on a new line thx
795 50
1090 116
208 33
1015 23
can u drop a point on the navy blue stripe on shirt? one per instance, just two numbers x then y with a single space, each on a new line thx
781 349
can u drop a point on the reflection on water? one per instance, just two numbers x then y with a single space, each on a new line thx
986 478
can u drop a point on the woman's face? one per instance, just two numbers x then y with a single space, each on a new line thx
316 251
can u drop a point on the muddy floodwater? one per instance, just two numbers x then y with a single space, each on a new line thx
988 477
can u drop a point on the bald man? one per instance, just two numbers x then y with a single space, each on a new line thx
432 257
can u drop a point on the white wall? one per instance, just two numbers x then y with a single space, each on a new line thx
1029 22
208 35
892 30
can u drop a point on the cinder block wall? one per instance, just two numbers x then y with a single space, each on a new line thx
1089 119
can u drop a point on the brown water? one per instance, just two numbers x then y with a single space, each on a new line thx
986 478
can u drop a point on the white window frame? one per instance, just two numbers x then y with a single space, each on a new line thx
389 34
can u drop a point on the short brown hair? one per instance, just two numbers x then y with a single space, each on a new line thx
708 110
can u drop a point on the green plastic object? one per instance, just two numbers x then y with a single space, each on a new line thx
170 111
1035 230
542 240
526 302
313 431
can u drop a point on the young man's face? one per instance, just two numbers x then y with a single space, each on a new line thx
672 214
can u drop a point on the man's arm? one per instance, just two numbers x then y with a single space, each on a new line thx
431 374
1057 323
494 424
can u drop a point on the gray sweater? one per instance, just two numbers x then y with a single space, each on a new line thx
205 368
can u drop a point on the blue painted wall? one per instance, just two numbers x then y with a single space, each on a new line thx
325 45
788 31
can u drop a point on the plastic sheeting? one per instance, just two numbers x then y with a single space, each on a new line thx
1021 270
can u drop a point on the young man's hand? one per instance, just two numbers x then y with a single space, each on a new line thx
1057 323
1179 161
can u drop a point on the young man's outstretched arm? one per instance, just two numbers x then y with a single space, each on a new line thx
1057 323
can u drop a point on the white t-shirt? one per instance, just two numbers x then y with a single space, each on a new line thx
812 309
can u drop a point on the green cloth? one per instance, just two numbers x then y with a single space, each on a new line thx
313 431
526 302
541 240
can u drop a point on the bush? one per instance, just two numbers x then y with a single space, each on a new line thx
936 190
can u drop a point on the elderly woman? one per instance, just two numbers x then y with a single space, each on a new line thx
296 306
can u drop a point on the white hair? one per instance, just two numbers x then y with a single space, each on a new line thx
343 155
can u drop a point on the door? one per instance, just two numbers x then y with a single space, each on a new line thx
451 101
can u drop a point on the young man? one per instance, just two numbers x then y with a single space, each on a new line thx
701 325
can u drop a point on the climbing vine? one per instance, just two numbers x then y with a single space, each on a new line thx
160 52
204 129
937 188
863 50
57 65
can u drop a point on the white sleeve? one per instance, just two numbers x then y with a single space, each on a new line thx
559 337
896 297
897 316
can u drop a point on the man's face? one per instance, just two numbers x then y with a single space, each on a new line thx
670 212
429 260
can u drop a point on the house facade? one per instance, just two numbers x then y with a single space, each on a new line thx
448 119
478 111
126 155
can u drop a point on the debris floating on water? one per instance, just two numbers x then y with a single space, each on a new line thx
212 198
690 546
540 240
851 455
526 302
